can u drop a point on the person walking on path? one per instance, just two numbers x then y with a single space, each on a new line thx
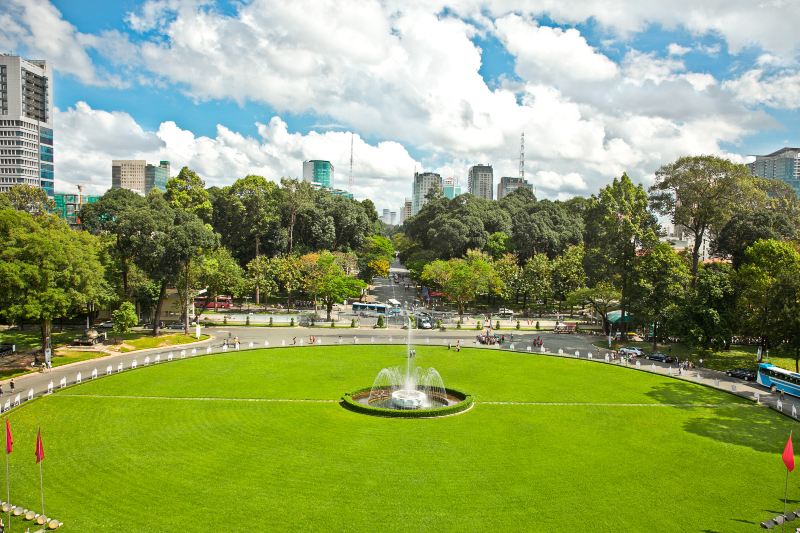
12 386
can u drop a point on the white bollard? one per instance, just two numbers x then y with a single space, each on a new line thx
109 370
250 345
757 397
78 378
733 387
541 349
319 341
529 348
266 343
654 367
372 339
301 342
94 374
355 340
224 349
283 342
638 364
716 383
17 400
158 359
7 405
780 406
134 364
510 346
577 353
390 340
427 340
183 353
589 355
794 411
560 351
50 388
30 394
169 356
208 349
147 360
62 383
607 358
120 367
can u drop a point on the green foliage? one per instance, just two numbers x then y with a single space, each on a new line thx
324 278
545 227
47 270
225 319
710 318
497 324
601 298
28 198
462 280
745 228
374 257
458 324
568 272
538 327
537 278
517 324
352 322
124 318
262 276
247 320
187 192
381 323
271 321
291 322
497 244
333 324
478 325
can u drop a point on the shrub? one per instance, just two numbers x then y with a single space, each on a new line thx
352 322
517 324
497 325
225 319
438 324
124 318
478 325
380 321
291 322
458 324
333 324
247 321
537 325
270 321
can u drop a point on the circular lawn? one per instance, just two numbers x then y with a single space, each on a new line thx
258 441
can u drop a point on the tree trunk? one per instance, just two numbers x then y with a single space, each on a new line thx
655 325
124 274
329 308
187 300
797 359
46 338
698 241
258 283
159 304
291 229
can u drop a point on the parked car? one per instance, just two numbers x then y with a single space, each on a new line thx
742 373
176 325
631 350
661 357
108 324
424 323
7 349
505 313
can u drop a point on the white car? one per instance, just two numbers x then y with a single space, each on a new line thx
505 313
631 350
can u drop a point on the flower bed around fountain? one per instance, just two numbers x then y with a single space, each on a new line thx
453 403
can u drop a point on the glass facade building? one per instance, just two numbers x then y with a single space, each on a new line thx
318 172
509 184
423 183
782 165
68 206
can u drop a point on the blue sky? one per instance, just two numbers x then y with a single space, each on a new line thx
597 93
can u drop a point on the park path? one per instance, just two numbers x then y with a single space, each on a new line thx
569 346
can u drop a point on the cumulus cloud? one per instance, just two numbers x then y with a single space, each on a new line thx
674 49
779 89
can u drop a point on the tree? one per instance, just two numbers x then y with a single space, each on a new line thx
700 193
187 192
296 197
124 318
326 279
760 287
538 272
29 198
618 224
545 227
188 240
568 272
497 244
261 274
602 298
47 270
507 269
746 227
462 280
218 273
660 280
289 275
374 257
710 316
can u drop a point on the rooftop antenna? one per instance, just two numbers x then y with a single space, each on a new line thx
350 181
522 156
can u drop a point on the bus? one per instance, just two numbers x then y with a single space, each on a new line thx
220 302
373 307
776 378
394 305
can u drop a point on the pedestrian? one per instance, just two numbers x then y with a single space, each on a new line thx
12 386
458 345
294 340
1 390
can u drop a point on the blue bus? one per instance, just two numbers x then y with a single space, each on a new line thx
374 307
776 378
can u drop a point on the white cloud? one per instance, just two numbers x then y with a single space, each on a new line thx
547 53
779 89
674 49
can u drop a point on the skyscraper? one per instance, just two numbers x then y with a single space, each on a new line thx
139 176
509 184
318 172
26 127
423 183
451 188
781 165
481 181
407 211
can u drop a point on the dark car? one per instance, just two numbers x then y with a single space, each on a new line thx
742 373
661 357
7 349
176 325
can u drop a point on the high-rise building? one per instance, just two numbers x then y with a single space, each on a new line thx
385 216
407 211
138 175
156 177
509 184
392 218
481 181
68 206
318 172
782 165
26 123
423 183
451 188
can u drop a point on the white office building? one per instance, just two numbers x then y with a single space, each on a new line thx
26 127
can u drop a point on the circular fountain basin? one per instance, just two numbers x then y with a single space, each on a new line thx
408 399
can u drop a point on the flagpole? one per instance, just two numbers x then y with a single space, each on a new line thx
785 488
8 487
41 487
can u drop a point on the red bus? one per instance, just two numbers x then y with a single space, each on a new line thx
220 302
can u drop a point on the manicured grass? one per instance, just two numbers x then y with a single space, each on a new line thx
210 443
145 342
31 337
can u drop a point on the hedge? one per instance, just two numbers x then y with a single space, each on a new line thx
353 405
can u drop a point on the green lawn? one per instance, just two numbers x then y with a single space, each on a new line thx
211 444
135 341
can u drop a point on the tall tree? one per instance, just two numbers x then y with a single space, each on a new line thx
660 281
618 223
462 280
261 275
602 298
219 274
297 196
538 274
374 257
746 227
31 199
327 280
289 275
568 272
701 193
48 270
710 316
187 192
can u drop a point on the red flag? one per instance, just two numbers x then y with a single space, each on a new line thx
40 448
788 454
9 438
